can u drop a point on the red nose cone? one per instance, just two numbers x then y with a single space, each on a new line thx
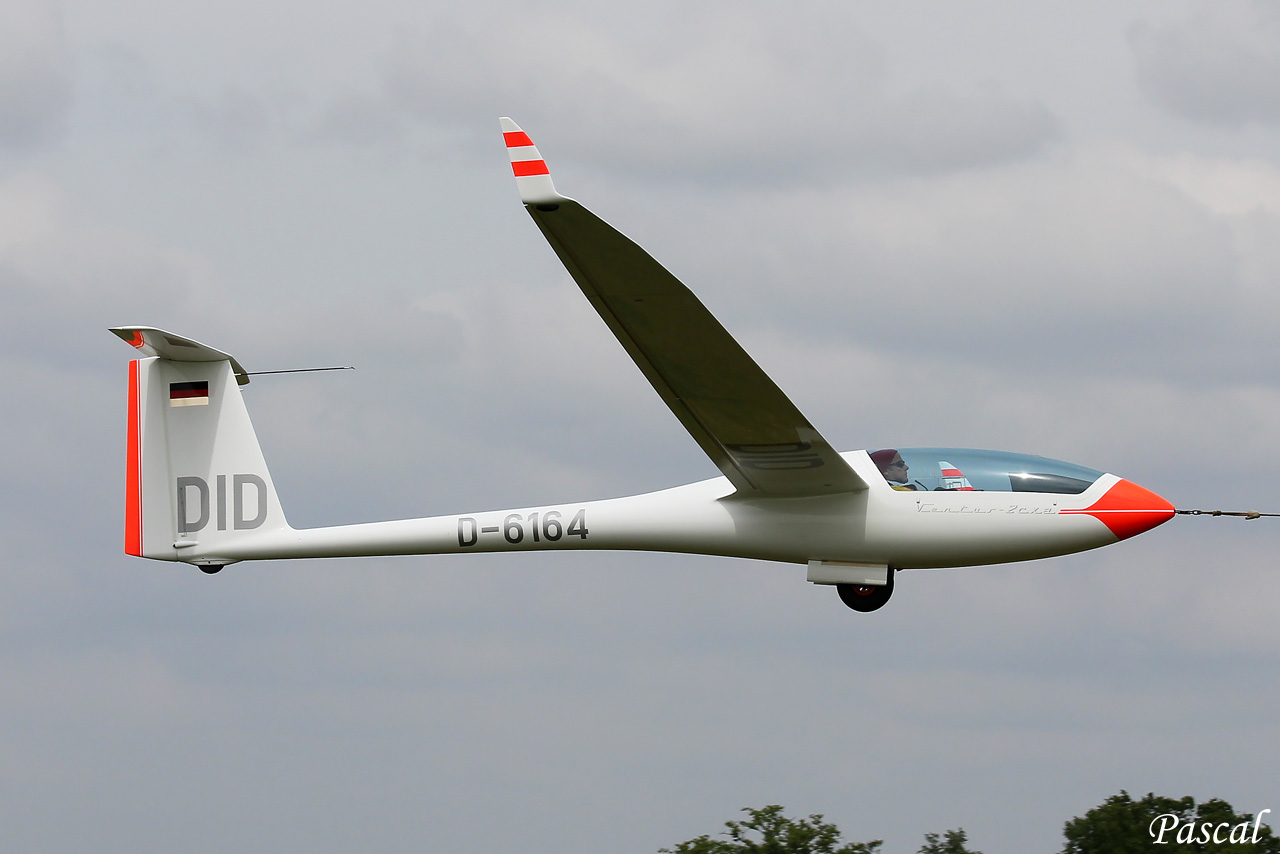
1128 509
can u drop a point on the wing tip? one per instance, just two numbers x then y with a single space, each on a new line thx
533 178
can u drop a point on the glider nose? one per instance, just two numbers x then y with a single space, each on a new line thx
1128 509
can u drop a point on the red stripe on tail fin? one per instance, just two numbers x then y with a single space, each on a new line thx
133 468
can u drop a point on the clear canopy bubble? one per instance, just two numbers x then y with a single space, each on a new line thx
968 469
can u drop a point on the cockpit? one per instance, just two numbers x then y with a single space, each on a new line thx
966 469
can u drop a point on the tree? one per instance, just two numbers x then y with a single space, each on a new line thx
768 831
952 842
1122 825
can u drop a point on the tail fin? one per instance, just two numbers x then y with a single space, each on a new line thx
196 478
953 478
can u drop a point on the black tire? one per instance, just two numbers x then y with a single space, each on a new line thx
866 597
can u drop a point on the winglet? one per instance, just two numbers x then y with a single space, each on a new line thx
533 179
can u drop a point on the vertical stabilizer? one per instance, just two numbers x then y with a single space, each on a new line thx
195 475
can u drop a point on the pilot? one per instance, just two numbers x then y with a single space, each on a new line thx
893 467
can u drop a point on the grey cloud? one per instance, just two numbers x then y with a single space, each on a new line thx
749 101
1219 66
937 131
727 99
35 74
360 120
123 92
1076 264
91 280
235 119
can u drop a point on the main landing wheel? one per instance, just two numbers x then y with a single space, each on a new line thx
866 597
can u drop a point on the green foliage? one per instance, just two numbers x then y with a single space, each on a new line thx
768 831
1121 825
952 842
1125 826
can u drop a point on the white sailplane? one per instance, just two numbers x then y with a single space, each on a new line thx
198 490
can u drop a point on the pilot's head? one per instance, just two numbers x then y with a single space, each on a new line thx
891 465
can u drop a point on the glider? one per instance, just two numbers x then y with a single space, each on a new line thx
198 490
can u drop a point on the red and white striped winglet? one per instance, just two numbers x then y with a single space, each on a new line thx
533 179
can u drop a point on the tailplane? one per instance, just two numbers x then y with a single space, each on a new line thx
196 478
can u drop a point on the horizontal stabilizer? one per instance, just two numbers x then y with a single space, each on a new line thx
150 341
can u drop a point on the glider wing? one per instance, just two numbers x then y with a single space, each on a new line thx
741 419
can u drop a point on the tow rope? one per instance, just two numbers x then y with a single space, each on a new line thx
1247 514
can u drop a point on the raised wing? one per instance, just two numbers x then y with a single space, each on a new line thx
740 418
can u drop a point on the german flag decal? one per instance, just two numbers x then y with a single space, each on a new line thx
189 394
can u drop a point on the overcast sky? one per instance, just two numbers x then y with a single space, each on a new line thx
1051 228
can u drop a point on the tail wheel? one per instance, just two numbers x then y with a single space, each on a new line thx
866 597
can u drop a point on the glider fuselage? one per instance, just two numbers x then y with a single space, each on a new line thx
880 525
